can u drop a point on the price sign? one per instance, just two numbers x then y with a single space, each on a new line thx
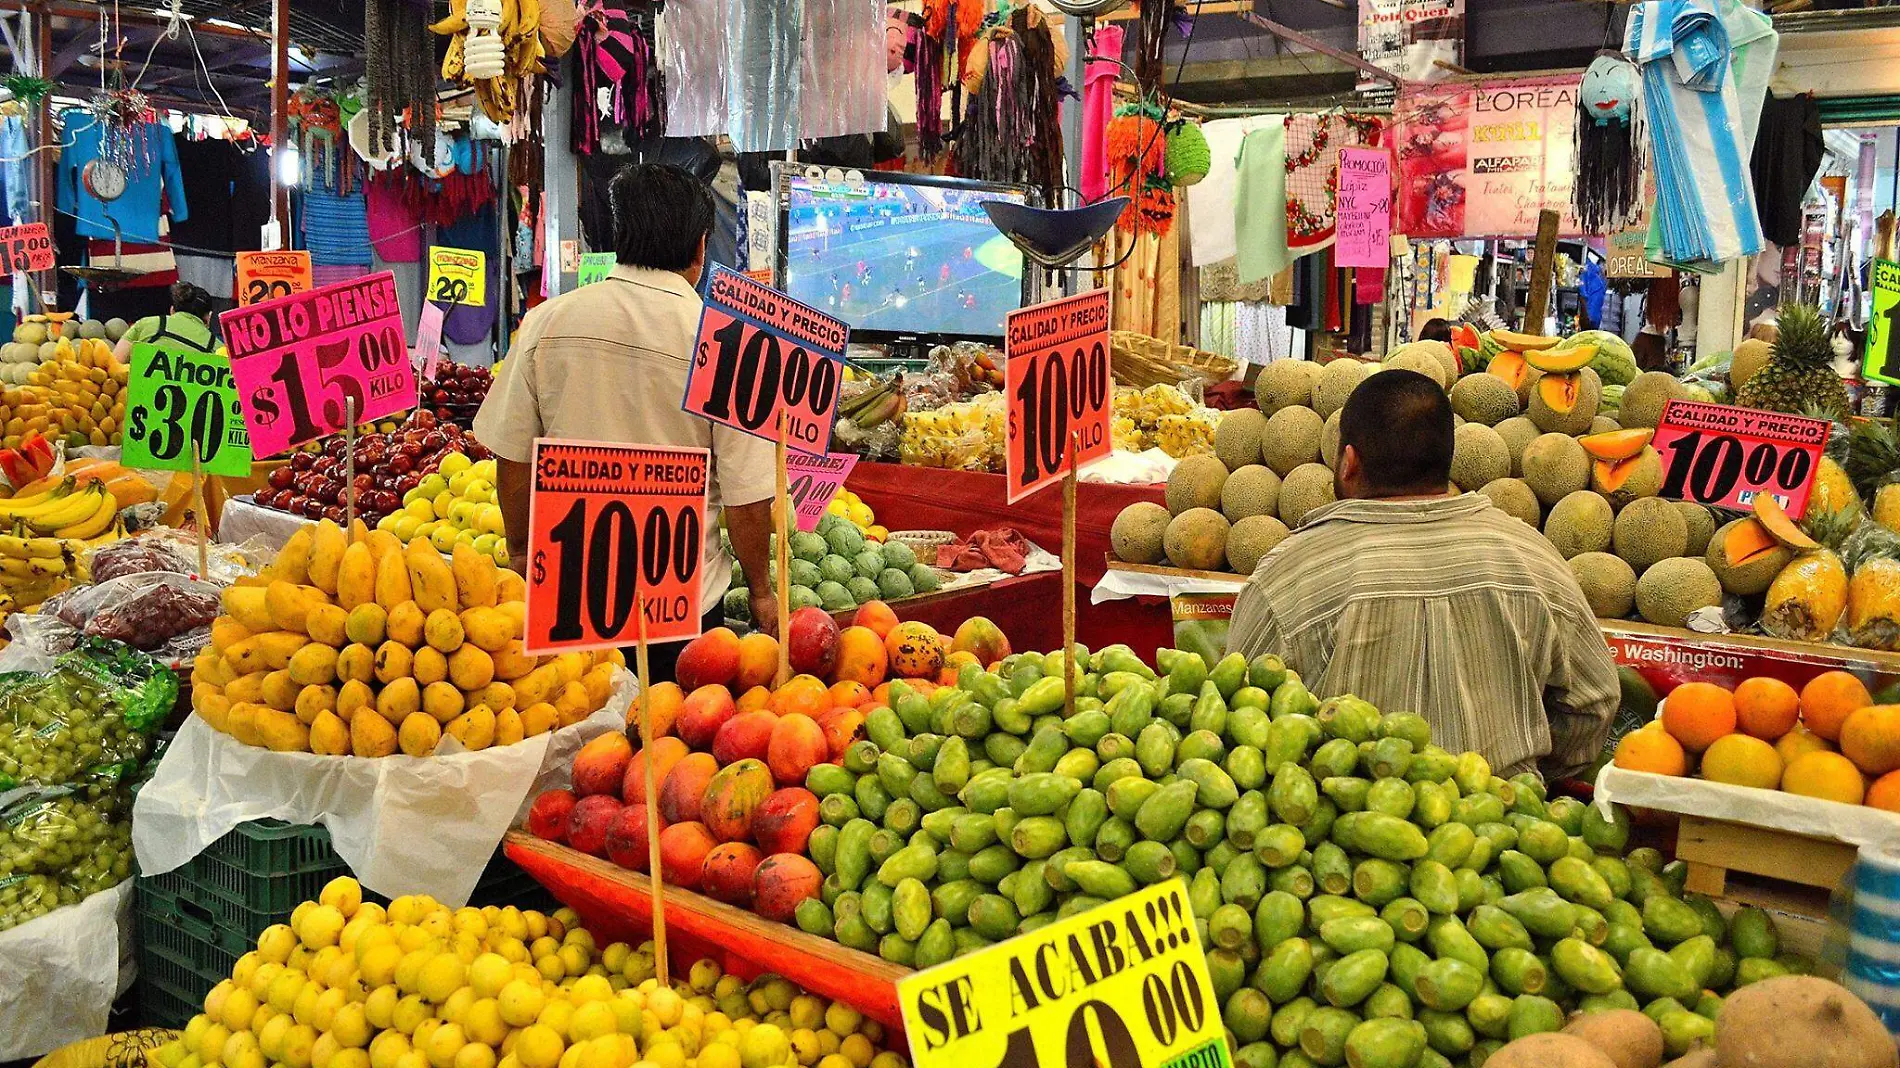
298 359
812 481
605 521
26 248
429 338
458 275
1721 455
1876 359
1364 215
1123 985
1056 380
760 354
263 276
594 267
175 396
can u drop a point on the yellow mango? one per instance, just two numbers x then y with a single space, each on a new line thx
282 732
372 736
474 575
214 670
279 646
326 555
599 684
511 663
293 560
509 586
213 708
496 695
241 723
470 668
569 667
392 580
431 582
246 606
419 734
382 543
441 700
314 665
538 685
356 663
352 697
475 729
443 631
356 576
290 605
517 613
247 688
329 736
393 661
538 719
327 624
486 628
405 623
280 691
226 632
314 701
399 700
570 705
508 728
430 665
366 623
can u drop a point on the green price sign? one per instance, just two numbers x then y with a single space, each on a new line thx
177 396
594 267
1876 362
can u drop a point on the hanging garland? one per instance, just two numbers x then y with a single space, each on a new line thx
401 72
1011 131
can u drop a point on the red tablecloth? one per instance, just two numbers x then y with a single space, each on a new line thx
922 498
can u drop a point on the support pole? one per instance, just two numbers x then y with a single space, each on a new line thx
280 115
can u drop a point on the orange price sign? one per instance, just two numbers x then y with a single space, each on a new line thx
760 356
605 522
1056 380
26 248
263 276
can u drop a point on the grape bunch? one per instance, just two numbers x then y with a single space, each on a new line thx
65 725
154 617
57 847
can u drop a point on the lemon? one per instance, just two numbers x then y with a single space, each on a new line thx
488 973
474 1055
379 1008
440 977
511 949
556 1015
270 1037
261 979
592 1019
424 1032
342 894
765 1046
444 1043
410 1012
520 1003
590 988
350 1058
626 1010
386 1048
321 926
808 1012
543 946
415 1058
297 1046
535 924
805 1045
539 1046
457 1005
378 966
574 958
471 921
240 1051
324 1050
306 1006
551 967
414 938
842 1018
666 1055
323 1013
483 1023
276 943
339 970
665 1005
718 1055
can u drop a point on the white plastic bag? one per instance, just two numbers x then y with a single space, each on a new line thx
61 973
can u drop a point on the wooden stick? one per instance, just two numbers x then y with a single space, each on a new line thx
198 509
349 464
1068 582
653 792
781 520
1543 271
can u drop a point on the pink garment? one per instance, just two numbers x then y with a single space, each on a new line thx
394 230
1098 106
330 274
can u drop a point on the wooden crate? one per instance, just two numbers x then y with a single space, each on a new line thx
1713 848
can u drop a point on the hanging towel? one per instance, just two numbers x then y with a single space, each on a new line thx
1787 155
1754 44
1098 106
1211 201
1705 201
1259 211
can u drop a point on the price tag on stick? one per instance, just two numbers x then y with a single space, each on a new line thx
1877 360
177 398
593 267
298 359
814 481
760 353
458 276
263 276
607 522
1123 985
1721 455
1056 379
26 248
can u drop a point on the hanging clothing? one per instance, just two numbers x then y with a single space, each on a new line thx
1312 173
1213 201
1098 106
1754 45
1788 154
467 324
1260 201
395 226
1220 282
1145 291
335 227
209 173
14 150
152 173
1705 204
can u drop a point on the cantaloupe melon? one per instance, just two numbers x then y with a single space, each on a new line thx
1484 399
1608 581
1518 432
1517 342
1513 497
1604 424
1671 589
1237 437
1644 398
1700 523
1197 539
1250 539
1329 442
1626 480
1555 466
1616 445
1744 557
1561 360
1579 523
1649 530
1769 513
1283 383
1137 532
1478 456
1565 404
1252 490
1305 489
1291 438
1337 380
1423 363
1195 482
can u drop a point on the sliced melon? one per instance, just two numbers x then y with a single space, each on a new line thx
1560 391
1616 444
1517 342
1611 474
1746 540
1560 361
1768 512
1511 367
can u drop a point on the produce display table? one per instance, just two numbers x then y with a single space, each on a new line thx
616 905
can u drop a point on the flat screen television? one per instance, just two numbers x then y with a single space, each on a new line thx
899 257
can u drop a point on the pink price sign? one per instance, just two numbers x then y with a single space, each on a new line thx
1364 224
812 481
299 360
1721 455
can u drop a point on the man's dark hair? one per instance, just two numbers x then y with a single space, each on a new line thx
1399 424
191 300
1435 330
661 214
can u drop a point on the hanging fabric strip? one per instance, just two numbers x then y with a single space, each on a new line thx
693 52
1098 106
1258 209
762 92
843 87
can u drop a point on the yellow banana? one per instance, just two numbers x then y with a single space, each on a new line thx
33 569
14 506
94 524
117 533
69 510
456 22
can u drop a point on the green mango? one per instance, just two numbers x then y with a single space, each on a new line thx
1447 984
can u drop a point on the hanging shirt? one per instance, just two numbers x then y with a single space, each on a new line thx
1260 237
14 150
153 172
1098 106
1212 201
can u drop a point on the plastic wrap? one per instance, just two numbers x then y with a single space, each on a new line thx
58 846
89 720
843 81
693 49
170 549
162 613
763 56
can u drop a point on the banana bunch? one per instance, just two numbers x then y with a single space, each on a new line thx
495 45
64 511
875 406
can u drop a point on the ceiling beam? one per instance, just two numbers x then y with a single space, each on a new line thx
84 44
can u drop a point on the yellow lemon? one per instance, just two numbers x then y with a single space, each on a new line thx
483 1023
520 1003
351 1027
444 1044
297 1046
718 1055
387 1048
270 1037
321 926
474 1055
409 1014
858 1049
488 973
276 943
765 1046
539 1046
342 894
440 977
666 1006
379 1008
378 966
592 1019
590 988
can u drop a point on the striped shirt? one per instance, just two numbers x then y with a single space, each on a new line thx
1447 607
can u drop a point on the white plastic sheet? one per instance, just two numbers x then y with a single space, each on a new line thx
61 972
1856 825
404 825
1119 585
1124 468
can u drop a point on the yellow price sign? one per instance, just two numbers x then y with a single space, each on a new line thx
458 276
1123 985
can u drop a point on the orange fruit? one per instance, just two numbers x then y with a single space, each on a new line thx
1871 739
1885 792
1742 760
1800 742
1697 713
1829 776
1766 708
1651 749
1828 699
849 694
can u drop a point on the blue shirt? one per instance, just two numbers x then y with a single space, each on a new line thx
154 170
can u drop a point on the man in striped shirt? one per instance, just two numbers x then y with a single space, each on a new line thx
1420 598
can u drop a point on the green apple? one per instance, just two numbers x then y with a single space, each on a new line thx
480 490
485 543
432 485
444 537
454 464
420 508
465 537
489 520
404 526
463 513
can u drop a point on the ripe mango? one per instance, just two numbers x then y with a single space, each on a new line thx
475 729
474 573
282 732
538 719
508 727
280 691
328 624
405 623
470 668
442 701
372 736
430 666
314 664
329 736
392 581
246 607
314 701
431 582
293 560
356 663
365 624
356 577
327 545
443 630
352 696
419 734
399 700
488 629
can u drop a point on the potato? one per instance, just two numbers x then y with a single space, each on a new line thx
1700 1057
1628 1037
1550 1050
1797 1021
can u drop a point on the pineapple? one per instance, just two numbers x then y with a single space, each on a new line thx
1872 620
1800 372
1808 598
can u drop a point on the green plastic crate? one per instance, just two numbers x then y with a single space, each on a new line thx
205 936
156 1005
